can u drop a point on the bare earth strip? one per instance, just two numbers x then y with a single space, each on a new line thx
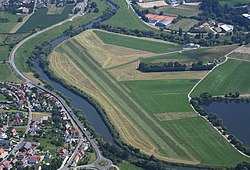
244 50
174 115
152 4
129 72
67 70
20 24
108 55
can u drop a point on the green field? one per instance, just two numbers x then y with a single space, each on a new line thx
2 97
127 166
161 96
202 139
183 10
136 43
4 52
231 3
201 54
7 39
42 19
24 52
6 74
184 23
230 77
6 27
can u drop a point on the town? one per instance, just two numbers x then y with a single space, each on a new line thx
35 129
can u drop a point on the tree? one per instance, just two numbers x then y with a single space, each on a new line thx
180 31
161 13
217 36
96 10
20 19
210 35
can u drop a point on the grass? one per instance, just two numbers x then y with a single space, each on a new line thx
4 52
2 97
7 39
42 19
183 10
162 96
232 3
201 54
128 166
229 77
184 23
240 56
53 9
136 43
6 27
6 74
208 145
25 51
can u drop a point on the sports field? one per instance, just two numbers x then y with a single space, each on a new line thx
229 77
162 96
183 10
137 43
43 20
184 23
4 52
133 107
6 27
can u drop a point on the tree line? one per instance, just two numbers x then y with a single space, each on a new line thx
173 66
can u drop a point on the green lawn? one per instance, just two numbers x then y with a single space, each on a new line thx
24 52
2 97
230 77
201 54
4 52
6 27
231 3
183 10
128 166
136 43
162 96
208 145
184 23
42 19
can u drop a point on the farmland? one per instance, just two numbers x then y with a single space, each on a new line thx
42 19
6 27
4 52
161 96
184 23
126 166
24 52
6 74
133 108
229 77
183 10
137 43
231 3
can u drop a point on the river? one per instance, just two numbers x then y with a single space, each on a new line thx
235 116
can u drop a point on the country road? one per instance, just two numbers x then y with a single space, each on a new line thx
76 121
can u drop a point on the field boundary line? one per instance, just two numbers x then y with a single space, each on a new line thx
189 99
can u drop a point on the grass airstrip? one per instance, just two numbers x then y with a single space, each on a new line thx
151 114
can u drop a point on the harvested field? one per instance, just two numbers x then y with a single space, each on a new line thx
175 115
152 4
114 55
129 72
53 9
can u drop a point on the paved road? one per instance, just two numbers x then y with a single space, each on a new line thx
100 157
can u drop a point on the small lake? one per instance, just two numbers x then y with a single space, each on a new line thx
235 116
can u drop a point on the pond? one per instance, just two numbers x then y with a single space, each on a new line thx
235 116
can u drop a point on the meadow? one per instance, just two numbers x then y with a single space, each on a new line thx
184 23
232 3
44 20
2 97
137 43
7 39
127 166
182 10
162 96
7 27
210 148
229 77
24 52
7 74
133 108
4 52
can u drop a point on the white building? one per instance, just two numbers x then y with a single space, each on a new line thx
227 28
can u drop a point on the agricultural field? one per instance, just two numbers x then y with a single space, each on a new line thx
6 74
4 52
24 52
184 23
232 3
7 27
7 39
182 10
204 54
162 96
42 19
127 166
229 77
137 43
53 9
132 107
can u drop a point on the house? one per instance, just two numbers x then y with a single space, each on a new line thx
246 15
1 151
76 158
163 23
25 10
173 2
27 145
227 28
3 135
34 159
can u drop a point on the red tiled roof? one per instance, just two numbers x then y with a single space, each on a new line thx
35 158
1 150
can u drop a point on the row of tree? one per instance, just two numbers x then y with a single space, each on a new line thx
173 66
